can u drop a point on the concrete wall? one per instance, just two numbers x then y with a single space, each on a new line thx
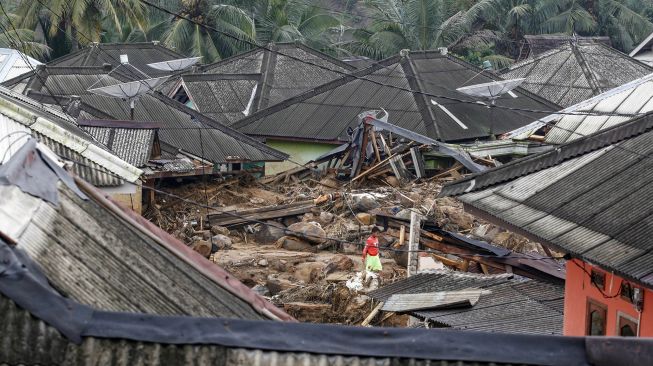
301 152
131 196
579 290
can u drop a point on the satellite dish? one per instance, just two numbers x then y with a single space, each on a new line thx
491 90
175 65
130 91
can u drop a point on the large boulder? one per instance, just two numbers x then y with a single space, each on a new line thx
308 272
276 285
269 233
203 247
309 231
222 241
365 218
339 263
292 243
363 202
215 230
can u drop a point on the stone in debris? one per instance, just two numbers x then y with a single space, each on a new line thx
287 221
292 243
404 214
339 262
269 233
263 262
206 234
222 242
365 218
309 272
203 247
458 217
276 285
323 218
309 231
407 199
363 202
215 230
350 248
261 290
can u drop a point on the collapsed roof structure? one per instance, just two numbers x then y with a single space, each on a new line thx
577 71
506 304
418 92
603 111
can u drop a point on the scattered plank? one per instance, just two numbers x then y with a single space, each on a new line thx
370 317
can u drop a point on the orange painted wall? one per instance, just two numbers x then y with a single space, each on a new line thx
579 288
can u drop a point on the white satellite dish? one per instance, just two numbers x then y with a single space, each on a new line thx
130 91
175 65
491 90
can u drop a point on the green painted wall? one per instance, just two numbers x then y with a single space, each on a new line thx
301 152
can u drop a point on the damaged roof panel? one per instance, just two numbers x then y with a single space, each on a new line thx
593 189
505 304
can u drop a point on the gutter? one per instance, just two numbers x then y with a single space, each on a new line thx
90 151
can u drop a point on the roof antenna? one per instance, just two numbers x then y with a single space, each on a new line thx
404 52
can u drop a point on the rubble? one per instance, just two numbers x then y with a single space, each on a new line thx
299 242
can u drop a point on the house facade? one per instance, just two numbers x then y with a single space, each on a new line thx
599 302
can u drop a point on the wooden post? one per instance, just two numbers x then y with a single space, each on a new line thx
402 236
413 243
368 320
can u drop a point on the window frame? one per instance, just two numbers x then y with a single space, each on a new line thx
591 303
622 315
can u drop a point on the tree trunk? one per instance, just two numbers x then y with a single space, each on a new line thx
74 42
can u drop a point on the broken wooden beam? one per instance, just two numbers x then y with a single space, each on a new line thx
370 317
233 218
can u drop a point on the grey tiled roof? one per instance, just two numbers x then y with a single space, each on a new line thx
181 127
326 112
572 73
282 75
509 306
140 54
587 197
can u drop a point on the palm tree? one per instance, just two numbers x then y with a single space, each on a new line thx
79 21
20 38
193 39
294 21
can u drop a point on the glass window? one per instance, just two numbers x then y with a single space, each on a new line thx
596 316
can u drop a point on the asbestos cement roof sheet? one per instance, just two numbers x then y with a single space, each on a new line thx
180 126
505 305
584 198
327 111
575 72
98 259
139 55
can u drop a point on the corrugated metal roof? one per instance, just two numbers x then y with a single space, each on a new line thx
506 305
181 126
432 300
96 258
575 72
326 112
132 145
540 43
585 197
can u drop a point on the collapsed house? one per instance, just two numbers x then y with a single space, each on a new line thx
576 71
165 138
101 255
418 92
586 198
14 63
473 302
22 117
86 282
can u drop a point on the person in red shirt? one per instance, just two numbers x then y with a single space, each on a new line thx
371 252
